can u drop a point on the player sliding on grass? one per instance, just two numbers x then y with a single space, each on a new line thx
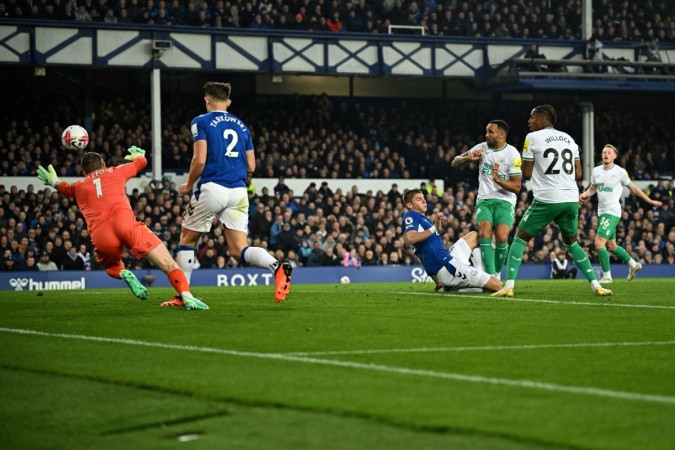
222 160
551 159
102 198
467 250
608 181
448 268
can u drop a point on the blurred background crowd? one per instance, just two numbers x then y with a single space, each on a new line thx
41 230
620 20
323 137
319 137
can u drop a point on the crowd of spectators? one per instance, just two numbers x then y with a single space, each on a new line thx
317 226
41 230
634 20
317 137
320 137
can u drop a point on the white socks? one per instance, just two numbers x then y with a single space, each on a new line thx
186 260
258 256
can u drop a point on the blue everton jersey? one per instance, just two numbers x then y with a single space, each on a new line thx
227 139
431 251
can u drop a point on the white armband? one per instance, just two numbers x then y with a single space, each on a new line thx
432 229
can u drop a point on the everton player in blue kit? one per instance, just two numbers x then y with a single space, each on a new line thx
223 158
448 268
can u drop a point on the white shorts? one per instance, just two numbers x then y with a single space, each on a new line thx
465 276
460 250
230 205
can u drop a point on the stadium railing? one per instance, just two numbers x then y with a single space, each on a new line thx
43 44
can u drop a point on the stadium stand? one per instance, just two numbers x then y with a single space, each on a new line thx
612 19
320 138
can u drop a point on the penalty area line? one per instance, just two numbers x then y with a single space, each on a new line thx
532 300
477 379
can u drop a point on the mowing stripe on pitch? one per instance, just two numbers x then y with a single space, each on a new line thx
528 384
480 348
532 300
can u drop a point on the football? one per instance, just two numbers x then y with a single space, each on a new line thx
345 280
75 137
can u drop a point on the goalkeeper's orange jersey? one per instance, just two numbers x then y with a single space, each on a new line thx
103 192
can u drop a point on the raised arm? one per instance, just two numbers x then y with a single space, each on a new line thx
465 158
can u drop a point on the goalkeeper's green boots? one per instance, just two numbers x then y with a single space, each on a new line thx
136 287
193 303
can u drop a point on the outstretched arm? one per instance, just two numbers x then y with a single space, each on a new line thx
637 191
138 162
50 178
134 153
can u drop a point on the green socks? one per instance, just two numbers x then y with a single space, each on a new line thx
619 252
493 259
488 254
603 256
581 260
501 252
622 254
515 258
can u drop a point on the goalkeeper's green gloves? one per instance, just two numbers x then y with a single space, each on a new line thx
134 152
48 177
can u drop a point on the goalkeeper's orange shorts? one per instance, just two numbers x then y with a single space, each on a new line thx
122 228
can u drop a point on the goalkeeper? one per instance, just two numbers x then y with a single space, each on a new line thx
102 198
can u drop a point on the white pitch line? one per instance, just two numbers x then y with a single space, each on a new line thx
534 300
527 384
482 348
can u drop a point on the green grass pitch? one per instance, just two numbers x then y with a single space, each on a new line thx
372 366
